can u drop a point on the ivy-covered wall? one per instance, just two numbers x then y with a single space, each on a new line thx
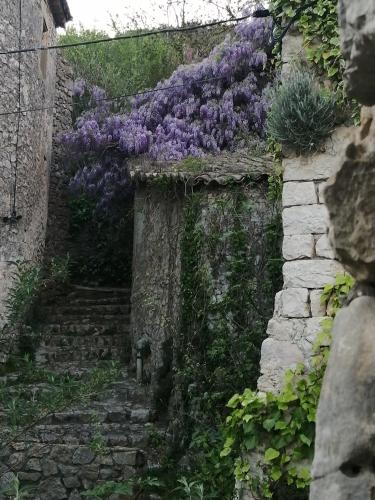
206 265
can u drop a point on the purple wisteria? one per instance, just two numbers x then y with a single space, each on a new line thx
191 119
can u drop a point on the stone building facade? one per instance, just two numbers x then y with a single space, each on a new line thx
25 161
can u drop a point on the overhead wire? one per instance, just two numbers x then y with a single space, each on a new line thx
118 98
144 34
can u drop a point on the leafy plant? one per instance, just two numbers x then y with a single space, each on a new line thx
133 486
27 280
281 427
189 490
301 115
14 490
60 269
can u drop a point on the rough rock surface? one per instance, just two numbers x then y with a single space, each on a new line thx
343 466
352 211
358 42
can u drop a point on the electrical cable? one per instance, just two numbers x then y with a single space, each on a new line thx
163 31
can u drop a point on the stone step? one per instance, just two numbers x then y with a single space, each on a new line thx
86 329
86 310
111 434
98 341
60 355
94 293
95 319
99 301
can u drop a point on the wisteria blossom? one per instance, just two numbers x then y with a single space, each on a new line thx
210 105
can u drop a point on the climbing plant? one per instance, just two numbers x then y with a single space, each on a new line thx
281 427
318 22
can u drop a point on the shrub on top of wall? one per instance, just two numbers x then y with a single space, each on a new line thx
302 114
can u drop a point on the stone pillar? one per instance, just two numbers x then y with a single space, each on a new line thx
344 459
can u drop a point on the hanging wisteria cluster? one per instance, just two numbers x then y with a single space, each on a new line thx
210 105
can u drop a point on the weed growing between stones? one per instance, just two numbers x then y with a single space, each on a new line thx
33 393
281 427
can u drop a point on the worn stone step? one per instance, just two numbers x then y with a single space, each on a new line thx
102 292
98 301
86 310
115 340
87 318
112 434
87 329
58 354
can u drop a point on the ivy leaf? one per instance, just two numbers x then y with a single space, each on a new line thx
271 454
276 473
305 439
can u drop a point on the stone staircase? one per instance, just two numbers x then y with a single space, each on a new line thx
57 457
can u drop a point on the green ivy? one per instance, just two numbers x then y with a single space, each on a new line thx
281 427
319 26
321 35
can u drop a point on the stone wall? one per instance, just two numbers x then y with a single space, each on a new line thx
24 239
58 209
159 223
156 277
309 263
62 471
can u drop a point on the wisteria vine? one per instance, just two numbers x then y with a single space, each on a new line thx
192 119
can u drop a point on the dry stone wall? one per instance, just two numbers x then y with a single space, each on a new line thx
309 263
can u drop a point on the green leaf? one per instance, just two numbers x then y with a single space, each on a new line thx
271 454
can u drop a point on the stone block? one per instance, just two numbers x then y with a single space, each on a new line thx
285 329
321 190
299 193
49 467
83 455
324 248
310 273
318 166
317 308
71 482
276 358
299 246
310 219
293 303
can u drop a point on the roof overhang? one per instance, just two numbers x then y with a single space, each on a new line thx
60 11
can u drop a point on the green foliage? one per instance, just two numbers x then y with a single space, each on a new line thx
189 490
302 115
101 247
320 29
319 26
23 410
123 67
136 486
220 336
15 490
27 282
282 426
